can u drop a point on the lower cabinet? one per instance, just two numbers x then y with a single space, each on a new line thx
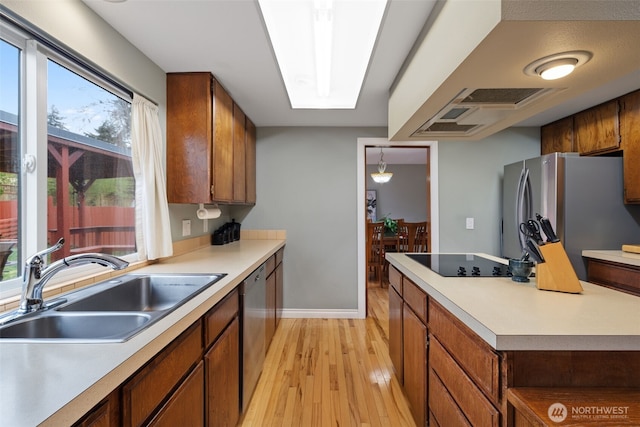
185 407
621 277
222 366
144 394
104 414
395 332
415 364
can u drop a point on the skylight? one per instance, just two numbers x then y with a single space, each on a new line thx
323 48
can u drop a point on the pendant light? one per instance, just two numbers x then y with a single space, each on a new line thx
381 176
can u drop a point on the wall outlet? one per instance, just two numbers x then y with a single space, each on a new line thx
186 227
470 224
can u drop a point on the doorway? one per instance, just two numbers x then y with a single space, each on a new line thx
362 179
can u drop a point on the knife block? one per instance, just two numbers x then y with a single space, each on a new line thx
556 272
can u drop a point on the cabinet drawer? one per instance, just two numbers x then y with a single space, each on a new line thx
186 405
220 316
475 356
279 256
442 408
395 279
416 298
617 276
142 394
271 265
473 403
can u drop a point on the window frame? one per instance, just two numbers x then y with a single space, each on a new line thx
32 125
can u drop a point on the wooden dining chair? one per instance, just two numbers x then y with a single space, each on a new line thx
421 237
404 240
375 249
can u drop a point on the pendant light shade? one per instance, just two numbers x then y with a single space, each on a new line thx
381 176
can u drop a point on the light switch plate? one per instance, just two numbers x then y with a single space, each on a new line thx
186 227
470 224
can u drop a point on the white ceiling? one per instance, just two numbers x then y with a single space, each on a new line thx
227 37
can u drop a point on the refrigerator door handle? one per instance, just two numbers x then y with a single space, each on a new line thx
523 204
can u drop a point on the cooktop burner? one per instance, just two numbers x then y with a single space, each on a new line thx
462 265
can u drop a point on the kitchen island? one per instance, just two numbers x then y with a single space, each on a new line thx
486 335
56 384
614 269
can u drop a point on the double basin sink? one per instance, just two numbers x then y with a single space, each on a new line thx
110 311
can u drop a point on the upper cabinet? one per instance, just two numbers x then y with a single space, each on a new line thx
612 127
210 150
597 129
557 137
630 134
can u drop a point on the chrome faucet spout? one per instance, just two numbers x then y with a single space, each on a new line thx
36 275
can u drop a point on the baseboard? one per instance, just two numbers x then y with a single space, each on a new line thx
320 314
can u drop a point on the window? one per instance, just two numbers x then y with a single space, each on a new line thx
84 191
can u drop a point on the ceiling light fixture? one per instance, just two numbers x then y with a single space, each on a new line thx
557 66
381 176
323 48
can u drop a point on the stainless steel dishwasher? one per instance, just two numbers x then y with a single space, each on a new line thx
253 297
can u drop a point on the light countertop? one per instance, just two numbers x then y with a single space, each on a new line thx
517 316
56 384
613 256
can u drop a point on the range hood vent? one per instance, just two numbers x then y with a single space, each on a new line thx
474 109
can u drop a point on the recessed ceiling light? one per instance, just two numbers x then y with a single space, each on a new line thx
323 47
557 66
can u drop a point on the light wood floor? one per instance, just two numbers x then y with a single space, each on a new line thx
331 372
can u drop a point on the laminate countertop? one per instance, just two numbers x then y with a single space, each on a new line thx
517 316
614 256
55 384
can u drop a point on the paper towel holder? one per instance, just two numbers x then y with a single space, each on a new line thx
205 214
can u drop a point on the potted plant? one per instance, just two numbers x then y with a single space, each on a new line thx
390 225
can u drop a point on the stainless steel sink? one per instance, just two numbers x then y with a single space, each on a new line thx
109 327
110 311
145 293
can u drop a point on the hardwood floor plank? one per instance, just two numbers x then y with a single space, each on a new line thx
331 373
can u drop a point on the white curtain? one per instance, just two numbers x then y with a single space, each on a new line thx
153 229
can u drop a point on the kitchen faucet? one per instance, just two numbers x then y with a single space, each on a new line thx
36 274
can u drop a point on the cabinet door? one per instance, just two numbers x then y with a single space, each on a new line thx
222 367
279 292
185 407
146 390
222 145
189 137
557 137
250 158
415 364
395 332
597 129
239 155
270 316
105 414
630 137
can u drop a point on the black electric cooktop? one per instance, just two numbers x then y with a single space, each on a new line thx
461 265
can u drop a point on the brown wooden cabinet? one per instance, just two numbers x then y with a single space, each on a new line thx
185 407
222 362
621 277
274 289
395 330
104 414
222 365
250 159
143 394
557 137
270 319
630 136
207 143
597 130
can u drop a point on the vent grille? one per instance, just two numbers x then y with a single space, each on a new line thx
499 96
447 127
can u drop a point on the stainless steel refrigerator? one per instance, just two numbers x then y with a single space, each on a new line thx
581 196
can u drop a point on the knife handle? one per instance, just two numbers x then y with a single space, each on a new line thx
547 228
